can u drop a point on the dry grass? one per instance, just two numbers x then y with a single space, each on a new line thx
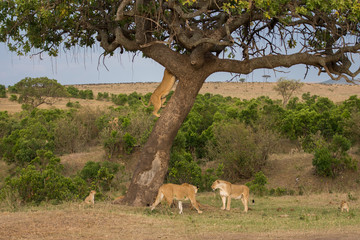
74 162
300 217
334 92
249 90
295 172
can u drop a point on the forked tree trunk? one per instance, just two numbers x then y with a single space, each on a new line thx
154 158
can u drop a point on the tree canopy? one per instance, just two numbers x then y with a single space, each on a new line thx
250 34
36 91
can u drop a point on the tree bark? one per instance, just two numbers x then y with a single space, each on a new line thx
154 158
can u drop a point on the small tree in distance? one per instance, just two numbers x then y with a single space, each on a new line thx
36 91
286 88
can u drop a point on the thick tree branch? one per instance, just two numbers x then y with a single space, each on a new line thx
274 61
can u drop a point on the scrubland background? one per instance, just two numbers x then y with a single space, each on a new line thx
309 210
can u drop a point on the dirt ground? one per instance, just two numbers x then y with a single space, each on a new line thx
107 221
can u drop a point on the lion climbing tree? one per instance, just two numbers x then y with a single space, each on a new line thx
193 39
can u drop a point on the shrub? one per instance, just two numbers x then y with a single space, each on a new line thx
102 96
86 94
133 99
242 150
130 129
7 125
210 176
99 174
73 91
113 144
352 127
2 91
43 181
120 99
330 159
183 169
77 130
257 186
12 89
73 104
129 142
21 145
13 98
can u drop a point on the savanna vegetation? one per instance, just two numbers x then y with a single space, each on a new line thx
222 137
194 39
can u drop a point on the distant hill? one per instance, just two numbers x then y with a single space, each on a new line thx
341 81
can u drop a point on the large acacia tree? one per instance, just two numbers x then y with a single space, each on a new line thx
193 39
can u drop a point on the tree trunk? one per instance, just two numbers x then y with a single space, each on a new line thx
154 158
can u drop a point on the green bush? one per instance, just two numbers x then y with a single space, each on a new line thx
2 91
257 186
133 99
42 181
120 99
183 169
86 94
7 125
242 150
330 159
73 104
129 142
131 128
21 145
209 176
13 98
99 174
112 144
73 91
12 89
102 96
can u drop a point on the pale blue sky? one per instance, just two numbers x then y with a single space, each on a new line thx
80 66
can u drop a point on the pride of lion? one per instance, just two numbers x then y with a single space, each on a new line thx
187 191
158 97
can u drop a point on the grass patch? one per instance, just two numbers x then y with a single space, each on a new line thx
316 213
268 214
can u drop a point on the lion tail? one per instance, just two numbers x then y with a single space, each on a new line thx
144 103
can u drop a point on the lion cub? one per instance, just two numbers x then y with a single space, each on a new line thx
91 198
181 192
159 95
344 206
228 190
